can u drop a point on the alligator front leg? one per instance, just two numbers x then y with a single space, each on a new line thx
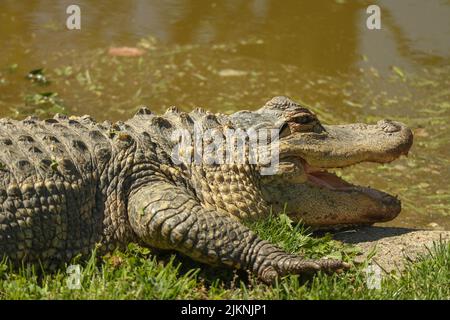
167 217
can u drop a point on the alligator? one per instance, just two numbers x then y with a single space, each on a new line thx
71 184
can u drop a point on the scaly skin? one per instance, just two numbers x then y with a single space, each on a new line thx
70 184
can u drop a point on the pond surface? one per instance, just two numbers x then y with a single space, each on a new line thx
236 54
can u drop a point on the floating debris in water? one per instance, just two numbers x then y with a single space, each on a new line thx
231 73
46 103
420 132
38 76
12 68
399 72
126 52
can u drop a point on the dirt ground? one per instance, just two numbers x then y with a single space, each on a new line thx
393 246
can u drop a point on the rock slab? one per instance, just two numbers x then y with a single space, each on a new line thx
393 246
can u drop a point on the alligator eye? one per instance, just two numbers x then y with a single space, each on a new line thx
303 122
304 119
284 130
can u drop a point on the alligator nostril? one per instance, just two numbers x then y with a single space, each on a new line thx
388 126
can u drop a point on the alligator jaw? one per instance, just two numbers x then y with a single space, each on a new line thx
326 201
372 205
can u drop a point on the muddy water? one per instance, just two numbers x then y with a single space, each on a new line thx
228 55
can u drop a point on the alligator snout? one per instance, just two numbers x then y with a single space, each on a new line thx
384 207
389 126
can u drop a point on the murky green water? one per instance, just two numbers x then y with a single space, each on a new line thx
227 55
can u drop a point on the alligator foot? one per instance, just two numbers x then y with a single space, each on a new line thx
166 217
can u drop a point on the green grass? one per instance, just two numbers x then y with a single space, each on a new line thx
139 273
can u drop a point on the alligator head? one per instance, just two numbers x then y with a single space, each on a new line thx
303 186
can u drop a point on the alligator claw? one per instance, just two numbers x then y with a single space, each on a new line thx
297 265
330 265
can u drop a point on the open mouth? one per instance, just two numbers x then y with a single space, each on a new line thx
325 200
323 178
